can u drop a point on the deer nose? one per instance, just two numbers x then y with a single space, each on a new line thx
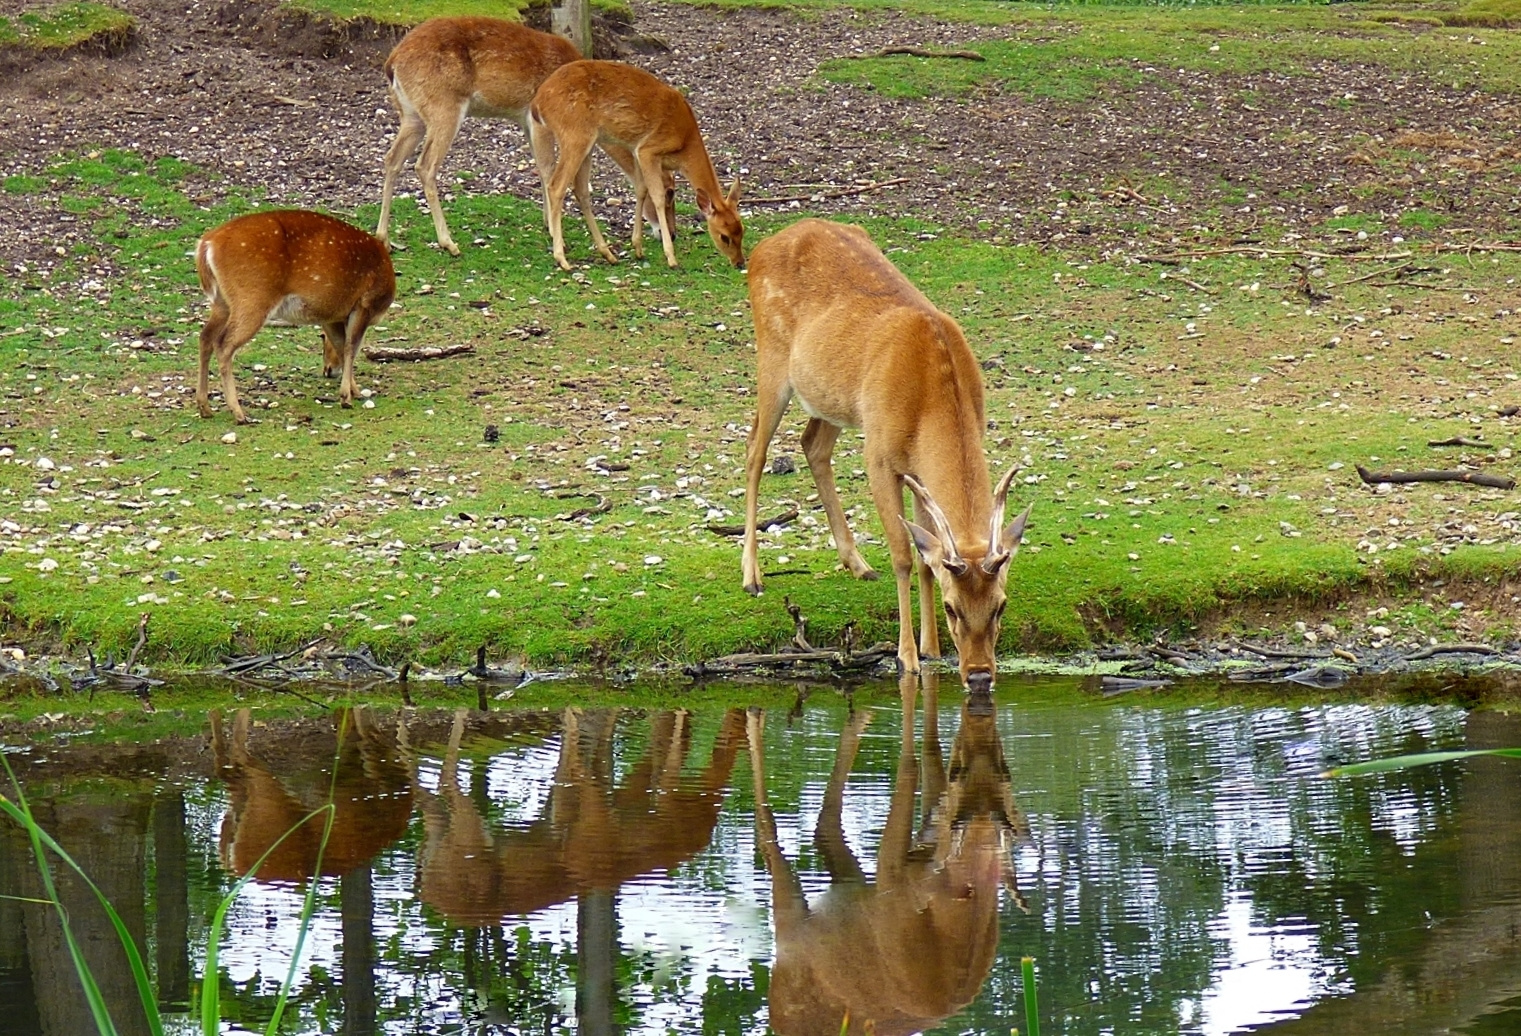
980 682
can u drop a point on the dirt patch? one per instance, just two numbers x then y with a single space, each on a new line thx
297 108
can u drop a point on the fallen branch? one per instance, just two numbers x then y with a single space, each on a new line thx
921 52
603 505
383 354
1496 246
1277 653
1449 649
844 192
1477 478
1172 258
1459 440
739 530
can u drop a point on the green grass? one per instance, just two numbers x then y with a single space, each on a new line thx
1173 475
61 26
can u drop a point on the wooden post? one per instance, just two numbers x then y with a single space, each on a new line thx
572 19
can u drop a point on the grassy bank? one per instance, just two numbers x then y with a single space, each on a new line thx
53 28
1187 429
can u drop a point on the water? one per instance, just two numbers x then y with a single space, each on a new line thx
1171 868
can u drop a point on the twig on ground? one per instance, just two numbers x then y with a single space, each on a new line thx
844 192
1449 649
603 505
1477 478
1266 652
739 530
383 354
142 638
1459 440
922 52
799 626
1172 258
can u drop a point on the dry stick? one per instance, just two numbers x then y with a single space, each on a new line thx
142 638
739 530
843 193
921 52
1460 441
1477 478
381 354
1175 257
1276 653
1444 649
603 506
1497 246
799 626
1396 270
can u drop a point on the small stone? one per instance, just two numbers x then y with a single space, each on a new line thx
45 464
230 438
406 619
47 565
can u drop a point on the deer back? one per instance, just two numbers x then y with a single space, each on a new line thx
317 269
492 65
864 348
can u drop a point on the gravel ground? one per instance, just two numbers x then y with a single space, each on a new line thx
300 110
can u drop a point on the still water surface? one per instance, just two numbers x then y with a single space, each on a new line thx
1171 868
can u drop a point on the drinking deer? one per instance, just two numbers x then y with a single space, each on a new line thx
900 953
448 68
289 267
838 326
589 102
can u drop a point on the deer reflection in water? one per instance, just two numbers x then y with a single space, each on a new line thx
903 953
363 775
590 835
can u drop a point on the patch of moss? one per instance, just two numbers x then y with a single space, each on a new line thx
59 27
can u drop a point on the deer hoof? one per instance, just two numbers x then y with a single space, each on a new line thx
753 589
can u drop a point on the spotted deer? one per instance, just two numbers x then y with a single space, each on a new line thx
289 267
839 327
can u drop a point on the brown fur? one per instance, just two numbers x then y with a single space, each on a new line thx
902 953
838 326
590 102
248 266
591 835
448 68
371 795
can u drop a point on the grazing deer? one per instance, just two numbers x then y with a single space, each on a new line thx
839 327
289 267
901 953
276 796
448 68
590 834
590 102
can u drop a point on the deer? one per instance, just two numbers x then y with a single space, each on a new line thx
591 834
901 953
448 68
275 819
289 266
839 327
589 102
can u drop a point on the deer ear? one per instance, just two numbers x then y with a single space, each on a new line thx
932 549
704 203
733 195
1014 532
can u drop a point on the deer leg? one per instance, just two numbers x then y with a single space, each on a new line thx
789 906
442 130
573 153
829 834
773 393
211 338
653 174
624 159
582 184
353 333
818 446
241 326
887 493
408 136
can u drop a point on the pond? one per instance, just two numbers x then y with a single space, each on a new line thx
887 857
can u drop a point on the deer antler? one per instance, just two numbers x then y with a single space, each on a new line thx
997 554
942 526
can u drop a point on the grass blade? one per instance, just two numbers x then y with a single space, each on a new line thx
1401 762
1032 1008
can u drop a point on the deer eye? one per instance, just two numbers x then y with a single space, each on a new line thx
724 238
950 613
